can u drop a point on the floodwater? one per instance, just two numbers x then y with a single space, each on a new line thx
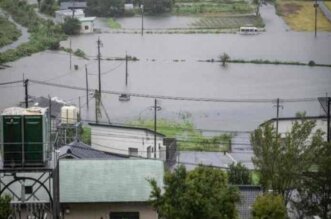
169 66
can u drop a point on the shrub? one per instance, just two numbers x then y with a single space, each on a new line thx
311 63
269 206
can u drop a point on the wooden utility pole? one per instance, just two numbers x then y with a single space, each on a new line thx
99 65
126 69
70 53
315 6
26 85
86 76
155 108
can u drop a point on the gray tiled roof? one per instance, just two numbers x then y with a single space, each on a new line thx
106 181
79 150
68 5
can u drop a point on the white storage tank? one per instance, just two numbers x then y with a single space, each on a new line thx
69 115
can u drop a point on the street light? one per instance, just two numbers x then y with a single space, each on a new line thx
315 6
142 19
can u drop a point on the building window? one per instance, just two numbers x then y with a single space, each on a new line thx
86 27
133 151
124 215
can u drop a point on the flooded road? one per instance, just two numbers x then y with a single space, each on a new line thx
168 66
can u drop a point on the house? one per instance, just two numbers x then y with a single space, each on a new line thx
108 188
79 150
86 24
73 4
61 15
134 141
285 124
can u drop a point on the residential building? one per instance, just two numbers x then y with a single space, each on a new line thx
285 124
128 140
61 15
80 150
108 188
86 24
73 4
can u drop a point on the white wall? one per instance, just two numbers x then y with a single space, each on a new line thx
285 126
87 27
119 140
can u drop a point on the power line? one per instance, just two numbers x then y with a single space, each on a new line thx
216 100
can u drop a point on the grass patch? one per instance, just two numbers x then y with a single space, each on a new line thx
43 34
85 135
113 24
328 4
300 16
8 32
188 137
228 22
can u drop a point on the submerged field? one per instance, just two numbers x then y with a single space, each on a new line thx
300 15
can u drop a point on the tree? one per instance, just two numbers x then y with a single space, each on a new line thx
201 193
157 6
224 59
239 174
71 26
269 206
105 8
314 193
48 7
5 209
281 161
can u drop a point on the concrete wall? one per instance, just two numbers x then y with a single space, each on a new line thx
87 27
285 126
119 140
97 210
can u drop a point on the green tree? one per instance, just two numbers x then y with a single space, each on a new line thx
5 209
281 160
105 8
224 59
269 206
201 193
48 7
71 26
157 6
239 174
314 192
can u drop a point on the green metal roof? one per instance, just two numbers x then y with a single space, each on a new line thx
83 181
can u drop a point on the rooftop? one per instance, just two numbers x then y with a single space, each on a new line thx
104 181
126 127
80 150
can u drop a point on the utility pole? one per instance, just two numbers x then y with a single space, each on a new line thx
99 66
86 76
97 94
126 69
277 114
155 105
70 53
26 84
328 128
156 108
142 19
315 6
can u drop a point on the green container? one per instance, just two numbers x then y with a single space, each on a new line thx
12 140
33 140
